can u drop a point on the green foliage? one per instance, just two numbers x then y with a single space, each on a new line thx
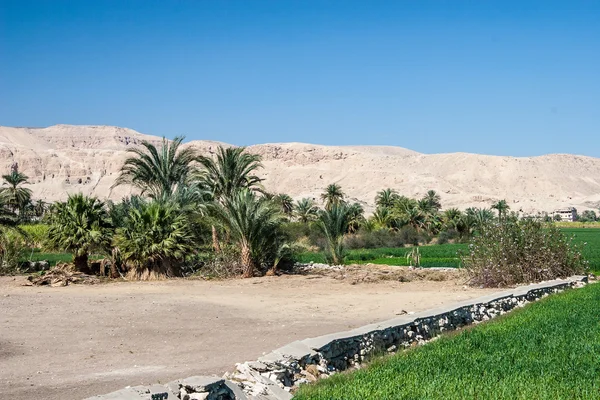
36 234
333 196
502 207
527 354
231 170
255 224
515 252
154 239
80 225
12 193
386 198
157 173
285 203
333 223
305 210
12 250
413 257
588 216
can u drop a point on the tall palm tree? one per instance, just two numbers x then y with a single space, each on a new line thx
154 239
12 193
158 172
230 171
254 223
386 198
502 207
333 195
433 200
80 225
285 202
333 223
452 218
305 210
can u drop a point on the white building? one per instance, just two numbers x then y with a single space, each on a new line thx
566 214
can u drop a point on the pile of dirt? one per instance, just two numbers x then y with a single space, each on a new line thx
61 275
371 273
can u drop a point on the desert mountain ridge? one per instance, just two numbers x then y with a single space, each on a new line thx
63 159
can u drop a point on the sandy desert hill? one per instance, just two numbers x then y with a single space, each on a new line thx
63 159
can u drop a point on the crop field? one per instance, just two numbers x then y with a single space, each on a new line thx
444 255
547 350
447 255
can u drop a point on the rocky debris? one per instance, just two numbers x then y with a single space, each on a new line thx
34 266
61 275
315 358
192 388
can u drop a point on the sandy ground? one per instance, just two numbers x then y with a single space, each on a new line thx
78 341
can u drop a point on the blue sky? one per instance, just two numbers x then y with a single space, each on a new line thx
495 77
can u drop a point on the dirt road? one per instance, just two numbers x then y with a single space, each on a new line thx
78 341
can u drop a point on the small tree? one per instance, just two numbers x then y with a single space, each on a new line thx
80 225
502 207
12 193
305 210
333 223
155 239
254 223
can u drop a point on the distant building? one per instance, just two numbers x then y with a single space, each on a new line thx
566 214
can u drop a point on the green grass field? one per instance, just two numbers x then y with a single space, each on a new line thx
548 350
446 255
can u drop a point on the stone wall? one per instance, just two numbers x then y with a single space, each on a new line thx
277 374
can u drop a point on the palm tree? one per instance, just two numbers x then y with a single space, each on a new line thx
502 207
154 239
355 217
433 199
305 210
233 169
254 223
333 223
157 173
480 217
12 193
333 195
39 208
451 218
386 198
383 218
80 225
285 202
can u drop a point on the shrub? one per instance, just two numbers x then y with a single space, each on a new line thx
36 234
516 252
12 249
375 239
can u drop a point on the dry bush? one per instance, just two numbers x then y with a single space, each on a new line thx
517 252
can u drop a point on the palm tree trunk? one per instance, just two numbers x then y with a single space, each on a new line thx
215 239
247 262
81 263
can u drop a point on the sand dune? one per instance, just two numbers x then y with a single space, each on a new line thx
63 159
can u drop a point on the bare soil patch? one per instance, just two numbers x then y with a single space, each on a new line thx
77 341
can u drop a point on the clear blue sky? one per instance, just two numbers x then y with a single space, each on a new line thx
495 77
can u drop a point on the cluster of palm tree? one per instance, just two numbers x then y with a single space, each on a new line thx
182 195
395 211
16 203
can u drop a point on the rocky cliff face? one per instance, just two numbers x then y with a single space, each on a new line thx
64 159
